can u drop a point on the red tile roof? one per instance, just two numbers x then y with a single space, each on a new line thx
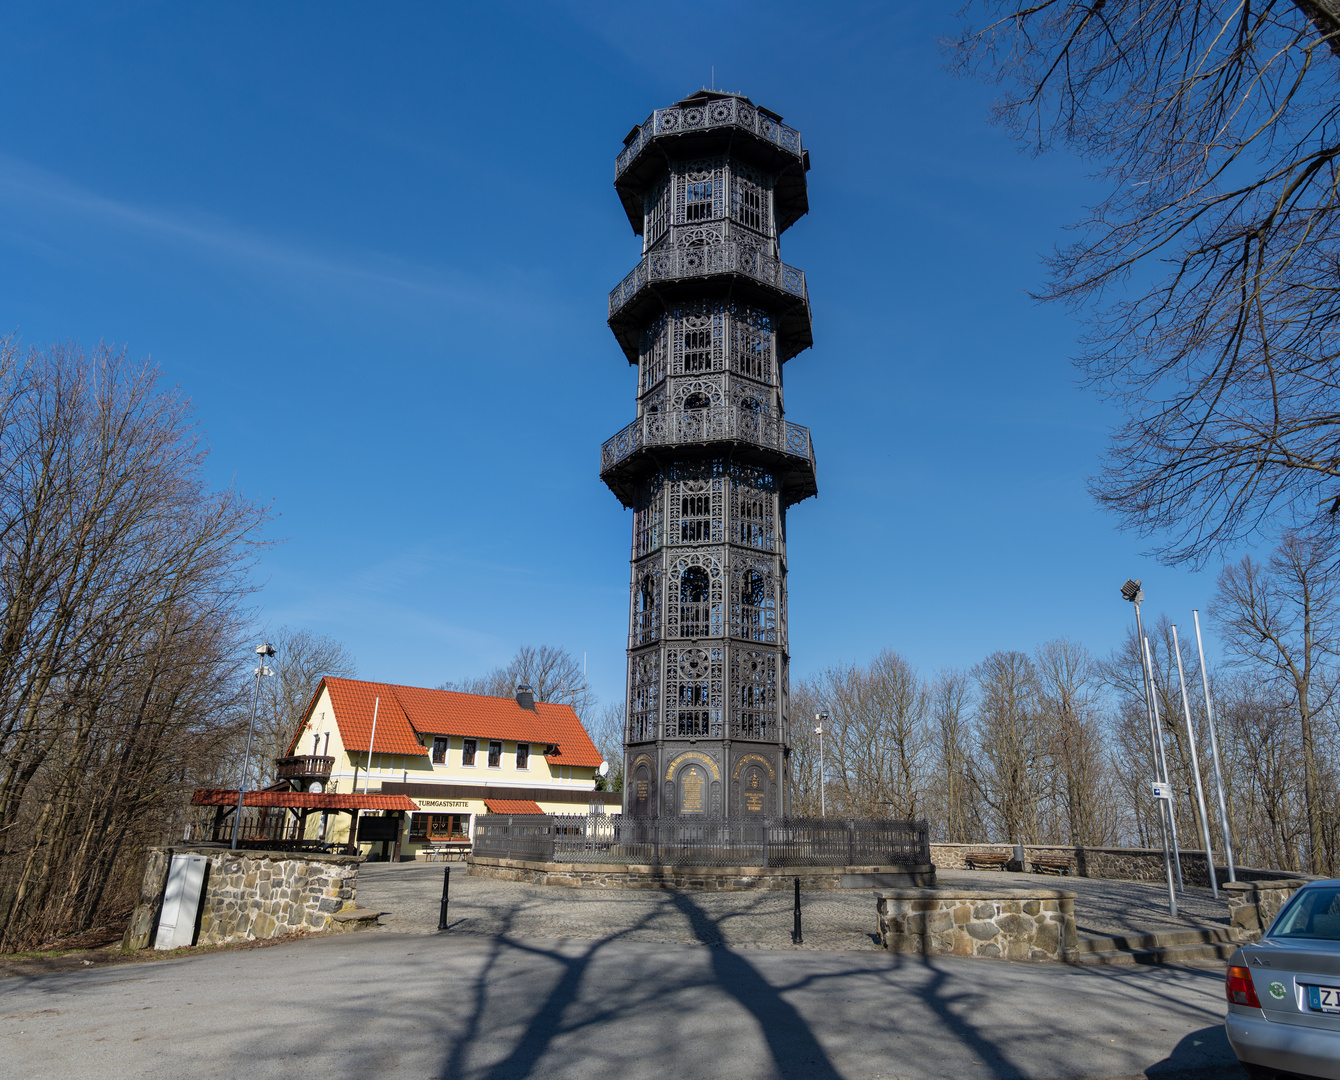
304 800
512 806
409 711
354 702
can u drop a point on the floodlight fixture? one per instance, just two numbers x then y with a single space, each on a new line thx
1131 591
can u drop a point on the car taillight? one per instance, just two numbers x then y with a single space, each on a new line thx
1238 986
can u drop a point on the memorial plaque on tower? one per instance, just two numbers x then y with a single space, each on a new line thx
709 465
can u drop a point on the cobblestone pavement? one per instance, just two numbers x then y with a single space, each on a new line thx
409 895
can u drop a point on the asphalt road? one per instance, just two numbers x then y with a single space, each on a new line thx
493 1007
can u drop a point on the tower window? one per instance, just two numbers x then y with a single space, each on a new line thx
695 522
698 200
694 608
698 350
749 206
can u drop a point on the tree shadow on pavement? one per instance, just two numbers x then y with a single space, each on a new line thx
1199 1055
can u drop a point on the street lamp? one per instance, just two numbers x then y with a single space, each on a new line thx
264 651
819 720
1133 593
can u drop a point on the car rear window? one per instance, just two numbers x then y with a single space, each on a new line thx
1314 913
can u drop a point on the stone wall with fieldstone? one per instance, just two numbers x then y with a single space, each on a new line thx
1253 905
1129 864
1007 924
707 878
252 894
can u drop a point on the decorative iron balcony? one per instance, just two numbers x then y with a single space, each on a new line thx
304 767
731 257
717 113
778 444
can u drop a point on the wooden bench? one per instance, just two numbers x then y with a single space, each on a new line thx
987 859
1052 864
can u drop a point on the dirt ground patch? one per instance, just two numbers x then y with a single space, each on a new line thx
85 959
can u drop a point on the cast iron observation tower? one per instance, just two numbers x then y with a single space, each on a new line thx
710 465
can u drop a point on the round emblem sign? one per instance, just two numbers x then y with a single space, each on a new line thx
1277 991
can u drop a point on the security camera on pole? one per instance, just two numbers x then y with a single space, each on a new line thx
264 650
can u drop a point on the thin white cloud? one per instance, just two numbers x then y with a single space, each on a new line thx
28 190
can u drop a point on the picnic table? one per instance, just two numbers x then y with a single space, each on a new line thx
446 850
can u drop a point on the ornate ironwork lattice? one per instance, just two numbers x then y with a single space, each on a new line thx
710 464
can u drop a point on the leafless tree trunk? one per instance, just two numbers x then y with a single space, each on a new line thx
121 582
1009 743
1281 619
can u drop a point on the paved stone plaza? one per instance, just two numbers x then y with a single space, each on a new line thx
409 894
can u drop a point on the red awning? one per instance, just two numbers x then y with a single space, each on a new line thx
304 800
512 806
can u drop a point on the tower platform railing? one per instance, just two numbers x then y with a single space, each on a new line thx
730 257
702 841
724 424
718 113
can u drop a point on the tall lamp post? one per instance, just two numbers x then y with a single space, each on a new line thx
820 718
264 651
1132 592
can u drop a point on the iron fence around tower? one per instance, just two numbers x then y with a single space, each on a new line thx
619 838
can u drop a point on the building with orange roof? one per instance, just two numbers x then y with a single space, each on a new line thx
454 754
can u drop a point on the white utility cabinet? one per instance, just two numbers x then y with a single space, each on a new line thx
181 901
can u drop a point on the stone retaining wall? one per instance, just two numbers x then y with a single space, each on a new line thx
1253 905
1006 924
633 876
1130 864
252 894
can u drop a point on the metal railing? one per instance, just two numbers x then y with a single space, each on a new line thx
707 425
723 112
729 257
618 838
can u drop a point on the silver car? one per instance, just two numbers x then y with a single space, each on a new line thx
1284 990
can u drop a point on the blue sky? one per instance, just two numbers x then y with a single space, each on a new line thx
374 244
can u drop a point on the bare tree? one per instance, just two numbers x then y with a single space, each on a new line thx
955 779
551 672
1009 743
606 731
122 577
301 660
1067 681
1217 127
1283 619
879 736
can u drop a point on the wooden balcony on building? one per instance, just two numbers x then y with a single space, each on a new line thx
304 767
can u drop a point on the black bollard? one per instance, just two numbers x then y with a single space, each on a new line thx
446 889
796 937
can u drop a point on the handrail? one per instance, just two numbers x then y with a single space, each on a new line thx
707 425
722 112
725 258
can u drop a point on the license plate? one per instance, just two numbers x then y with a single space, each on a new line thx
1324 999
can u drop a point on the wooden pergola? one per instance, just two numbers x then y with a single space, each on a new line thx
282 821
